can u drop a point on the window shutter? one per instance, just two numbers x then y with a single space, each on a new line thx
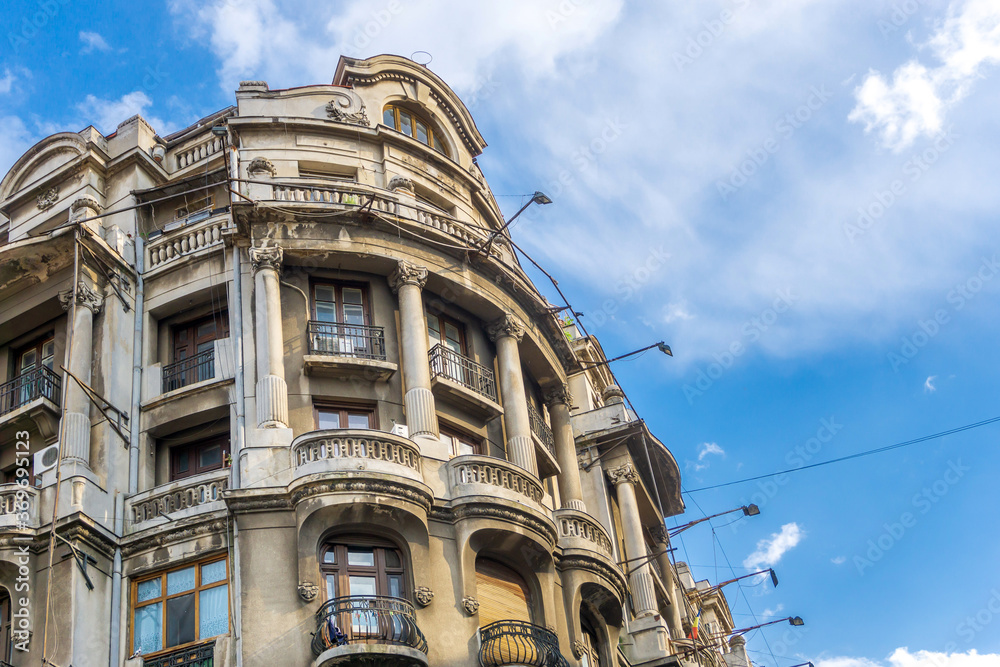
503 595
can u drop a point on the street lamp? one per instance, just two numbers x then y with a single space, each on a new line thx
748 510
537 198
792 620
661 346
709 590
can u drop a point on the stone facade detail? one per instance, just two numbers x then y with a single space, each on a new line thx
623 474
407 274
261 166
423 595
266 258
337 110
401 183
308 591
558 394
85 297
508 325
47 199
471 605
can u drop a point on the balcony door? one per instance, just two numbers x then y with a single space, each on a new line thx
503 593
194 350
340 314
450 335
31 380
357 574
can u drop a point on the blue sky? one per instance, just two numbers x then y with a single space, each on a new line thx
798 195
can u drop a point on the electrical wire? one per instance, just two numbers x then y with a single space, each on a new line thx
858 455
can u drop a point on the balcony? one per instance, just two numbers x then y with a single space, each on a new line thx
355 450
347 350
368 630
519 643
34 395
209 368
457 378
191 656
18 507
198 494
545 444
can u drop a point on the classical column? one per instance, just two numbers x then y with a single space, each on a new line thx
558 400
506 333
272 392
625 478
407 281
669 576
76 430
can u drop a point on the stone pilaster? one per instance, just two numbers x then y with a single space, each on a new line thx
507 332
558 400
408 281
76 428
625 478
271 390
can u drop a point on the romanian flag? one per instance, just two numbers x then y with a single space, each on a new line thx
694 626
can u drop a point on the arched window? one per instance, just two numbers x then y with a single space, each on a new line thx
591 652
503 595
413 125
362 568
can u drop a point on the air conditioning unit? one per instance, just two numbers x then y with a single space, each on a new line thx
400 430
46 459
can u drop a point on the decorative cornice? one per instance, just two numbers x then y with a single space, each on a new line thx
623 474
407 274
505 513
85 297
595 566
558 394
266 258
508 325
165 534
379 487
92 538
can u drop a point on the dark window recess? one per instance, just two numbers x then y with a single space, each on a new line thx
198 457
193 347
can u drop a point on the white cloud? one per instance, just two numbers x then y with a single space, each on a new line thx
16 140
7 81
768 613
770 550
915 101
92 41
903 657
707 448
929 384
838 560
106 114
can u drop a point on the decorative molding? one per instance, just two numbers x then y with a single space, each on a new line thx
336 111
612 395
578 649
266 258
407 274
308 591
85 202
660 534
261 165
401 183
601 568
508 325
423 595
160 536
504 513
558 394
623 474
471 605
373 485
85 297
47 199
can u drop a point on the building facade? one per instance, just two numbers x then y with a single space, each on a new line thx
277 391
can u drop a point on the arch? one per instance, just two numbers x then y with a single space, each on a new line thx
37 156
409 117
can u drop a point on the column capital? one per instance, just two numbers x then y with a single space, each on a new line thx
407 273
85 204
507 325
85 297
558 394
266 258
623 474
660 534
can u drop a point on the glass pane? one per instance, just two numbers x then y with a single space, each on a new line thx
389 118
354 315
331 586
392 558
326 312
213 572
213 612
329 419
358 421
205 347
28 360
48 351
421 132
395 586
452 333
325 293
182 461
180 581
180 619
438 146
148 590
362 585
206 329
433 329
148 629
465 448
330 556
352 295
210 456
362 558
405 123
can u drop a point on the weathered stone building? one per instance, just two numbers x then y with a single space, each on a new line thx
290 398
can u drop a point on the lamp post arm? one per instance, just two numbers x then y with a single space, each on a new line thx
621 356
485 247
677 530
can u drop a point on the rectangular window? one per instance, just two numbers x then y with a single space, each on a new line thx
442 329
459 443
193 350
180 606
341 322
198 457
340 416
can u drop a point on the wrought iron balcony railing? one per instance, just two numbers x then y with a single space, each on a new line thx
366 620
196 368
346 340
202 655
519 643
454 366
28 386
541 429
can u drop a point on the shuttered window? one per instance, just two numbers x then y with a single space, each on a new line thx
503 595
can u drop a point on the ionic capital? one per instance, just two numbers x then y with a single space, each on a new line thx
85 297
623 474
508 325
407 274
266 258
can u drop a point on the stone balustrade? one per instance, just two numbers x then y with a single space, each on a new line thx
18 506
489 476
192 154
354 450
180 242
579 530
192 495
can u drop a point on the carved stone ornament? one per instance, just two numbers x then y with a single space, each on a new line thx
471 604
508 325
308 591
660 534
558 394
265 258
613 394
85 297
47 199
623 474
401 183
407 274
423 595
578 649
261 165
337 110
85 203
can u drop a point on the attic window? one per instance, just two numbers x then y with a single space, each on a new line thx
412 125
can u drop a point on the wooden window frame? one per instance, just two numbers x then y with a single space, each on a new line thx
341 570
591 642
193 448
162 575
338 286
344 408
458 324
478 442
221 317
37 345
431 126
